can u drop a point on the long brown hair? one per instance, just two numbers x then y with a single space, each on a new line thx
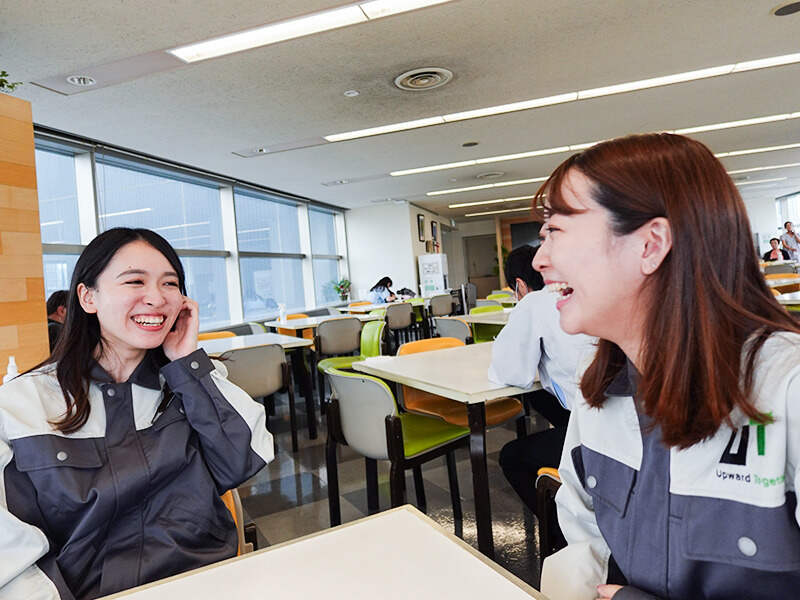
74 352
706 298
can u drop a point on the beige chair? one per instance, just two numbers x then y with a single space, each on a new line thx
261 372
399 319
454 328
441 306
335 338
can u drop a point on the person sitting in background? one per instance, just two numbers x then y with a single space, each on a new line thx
380 293
56 313
532 342
776 253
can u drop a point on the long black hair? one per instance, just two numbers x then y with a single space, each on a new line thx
75 350
384 282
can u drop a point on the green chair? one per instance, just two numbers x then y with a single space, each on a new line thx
363 414
483 332
499 296
381 312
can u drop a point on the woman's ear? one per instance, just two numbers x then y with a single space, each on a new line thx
656 236
86 298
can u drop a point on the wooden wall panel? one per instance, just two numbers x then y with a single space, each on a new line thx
23 318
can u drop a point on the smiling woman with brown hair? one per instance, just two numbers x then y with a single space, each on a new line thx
681 459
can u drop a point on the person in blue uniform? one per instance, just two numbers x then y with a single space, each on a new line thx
682 455
381 292
114 452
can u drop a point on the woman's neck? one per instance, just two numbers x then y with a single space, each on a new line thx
119 363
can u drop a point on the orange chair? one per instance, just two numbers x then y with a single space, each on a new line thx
234 504
498 411
215 335
781 276
359 303
307 333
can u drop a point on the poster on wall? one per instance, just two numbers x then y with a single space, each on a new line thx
434 231
421 226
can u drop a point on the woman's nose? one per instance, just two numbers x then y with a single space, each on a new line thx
541 259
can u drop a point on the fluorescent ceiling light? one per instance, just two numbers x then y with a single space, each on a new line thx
754 169
340 137
496 212
254 230
741 123
48 223
377 9
496 201
125 212
181 225
761 181
298 27
620 88
757 150
485 186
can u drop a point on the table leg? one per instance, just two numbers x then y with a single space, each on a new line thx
480 477
303 377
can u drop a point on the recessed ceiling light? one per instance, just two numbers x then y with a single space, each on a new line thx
497 212
298 27
787 9
496 201
81 80
620 88
351 93
754 169
762 181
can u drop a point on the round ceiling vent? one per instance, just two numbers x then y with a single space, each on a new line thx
81 80
425 78
787 9
490 175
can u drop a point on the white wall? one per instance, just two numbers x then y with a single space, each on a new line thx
379 244
417 247
763 219
456 259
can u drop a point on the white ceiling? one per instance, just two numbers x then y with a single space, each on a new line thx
500 51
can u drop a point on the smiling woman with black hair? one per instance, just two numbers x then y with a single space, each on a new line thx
114 451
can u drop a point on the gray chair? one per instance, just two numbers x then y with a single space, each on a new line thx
334 311
470 297
399 319
334 337
773 269
261 372
488 303
455 328
363 414
441 306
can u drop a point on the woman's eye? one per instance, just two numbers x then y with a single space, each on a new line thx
171 283
134 282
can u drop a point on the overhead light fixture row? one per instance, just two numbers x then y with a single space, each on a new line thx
495 201
741 183
289 29
642 84
769 168
496 212
583 146
485 186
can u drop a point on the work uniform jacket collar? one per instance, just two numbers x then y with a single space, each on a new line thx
144 375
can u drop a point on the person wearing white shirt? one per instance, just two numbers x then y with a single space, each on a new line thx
380 292
791 241
532 342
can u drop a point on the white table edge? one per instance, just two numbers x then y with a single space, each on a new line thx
405 508
299 343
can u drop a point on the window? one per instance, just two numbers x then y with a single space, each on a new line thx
326 273
58 272
58 198
185 210
323 231
267 282
266 225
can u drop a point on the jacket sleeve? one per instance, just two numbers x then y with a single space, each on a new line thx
516 350
629 592
231 426
21 546
574 572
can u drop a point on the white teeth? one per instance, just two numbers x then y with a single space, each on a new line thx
149 320
556 287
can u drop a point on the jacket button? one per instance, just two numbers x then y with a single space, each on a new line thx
111 392
747 546
194 364
61 456
591 481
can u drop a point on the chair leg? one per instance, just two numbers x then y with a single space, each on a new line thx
397 484
292 418
419 488
373 504
321 386
334 508
522 427
455 496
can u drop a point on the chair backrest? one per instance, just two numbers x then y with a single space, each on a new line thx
773 269
782 275
215 335
499 296
307 333
471 293
399 316
258 371
479 303
257 327
372 338
338 336
364 403
360 303
452 327
428 345
334 311
486 309
233 503
381 312
441 306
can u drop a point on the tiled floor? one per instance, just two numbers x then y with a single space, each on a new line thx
289 497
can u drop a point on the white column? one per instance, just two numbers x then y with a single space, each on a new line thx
231 242
304 227
87 202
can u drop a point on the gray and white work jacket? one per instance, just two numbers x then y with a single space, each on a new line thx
132 496
718 520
